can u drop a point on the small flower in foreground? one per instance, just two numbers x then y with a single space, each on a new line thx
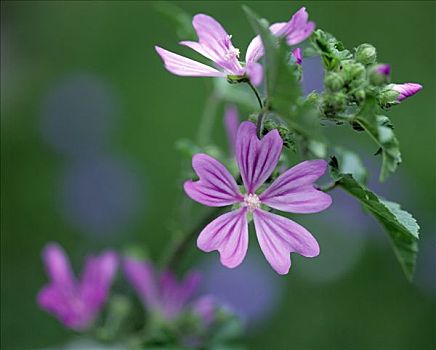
293 191
215 44
76 303
297 55
161 293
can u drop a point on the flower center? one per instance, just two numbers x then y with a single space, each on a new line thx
251 201
232 52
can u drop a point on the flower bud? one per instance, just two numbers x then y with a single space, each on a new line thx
333 81
379 74
395 93
360 95
366 54
353 71
334 103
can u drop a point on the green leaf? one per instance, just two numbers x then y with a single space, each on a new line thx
331 50
380 129
350 163
401 227
283 89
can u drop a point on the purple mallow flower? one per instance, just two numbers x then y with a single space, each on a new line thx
293 191
161 293
76 303
405 90
215 44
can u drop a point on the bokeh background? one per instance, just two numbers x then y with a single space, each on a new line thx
89 120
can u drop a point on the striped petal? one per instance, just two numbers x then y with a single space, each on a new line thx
229 235
279 236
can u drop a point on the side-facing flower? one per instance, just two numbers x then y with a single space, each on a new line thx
293 191
76 302
160 293
215 44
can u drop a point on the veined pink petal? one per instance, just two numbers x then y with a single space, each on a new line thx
293 191
196 47
256 158
183 66
142 277
406 90
58 266
97 277
279 236
231 122
229 235
254 72
298 28
216 43
216 186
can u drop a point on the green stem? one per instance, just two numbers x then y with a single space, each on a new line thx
329 186
256 93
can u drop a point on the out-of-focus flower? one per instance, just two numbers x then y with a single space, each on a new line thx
384 69
231 122
76 303
215 44
161 293
297 55
293 191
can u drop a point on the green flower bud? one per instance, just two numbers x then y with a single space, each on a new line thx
333 103
360 95
333 81
366 54
352 71
388 96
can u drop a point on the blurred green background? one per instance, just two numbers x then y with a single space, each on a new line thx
62 178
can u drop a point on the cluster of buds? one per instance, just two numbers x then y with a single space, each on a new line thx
350 78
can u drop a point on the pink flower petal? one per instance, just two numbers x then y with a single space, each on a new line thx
58 266
196 47
279 236
142 277
299 29
229 235
297 55
255 49
183 66
216 187
293 191
406 90
216 43
254 72
256 158
98 274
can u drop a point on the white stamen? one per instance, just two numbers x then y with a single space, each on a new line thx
251 201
